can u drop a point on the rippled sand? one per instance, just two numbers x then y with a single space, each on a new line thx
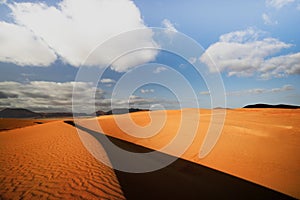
49 161
259 145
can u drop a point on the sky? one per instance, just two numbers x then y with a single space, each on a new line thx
229 54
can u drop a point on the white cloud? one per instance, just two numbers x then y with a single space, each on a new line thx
248 52
247 35
107 80
205 93
192 60
267 20
159 70
135 102
283 88
260 91
278 3
170 29
144 91
73 28
148 103
168 25
47 96
19 45
281 65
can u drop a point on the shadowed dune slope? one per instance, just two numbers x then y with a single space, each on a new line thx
49 161
182 179
259 145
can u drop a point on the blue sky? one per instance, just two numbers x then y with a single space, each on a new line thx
254 44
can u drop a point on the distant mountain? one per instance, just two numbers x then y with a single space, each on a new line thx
124 111
119 111
18 113
25 113
100 113
272 106
57 114
219 108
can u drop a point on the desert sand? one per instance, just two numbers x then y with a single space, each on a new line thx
10 123
48 161
259 145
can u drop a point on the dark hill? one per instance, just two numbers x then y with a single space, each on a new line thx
18 113
100 112
119 111
124 111
57 114
272 106
25 113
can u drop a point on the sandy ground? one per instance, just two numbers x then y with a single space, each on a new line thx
259 145
8 123
48 161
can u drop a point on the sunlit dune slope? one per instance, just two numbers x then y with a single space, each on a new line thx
49 161
259 145
10 123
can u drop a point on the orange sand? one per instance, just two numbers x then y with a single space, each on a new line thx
49 161
8 124
259 145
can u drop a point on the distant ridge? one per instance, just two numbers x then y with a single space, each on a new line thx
18 113
261 105
119 111
25 113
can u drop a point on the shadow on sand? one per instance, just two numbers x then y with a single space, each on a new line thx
183 180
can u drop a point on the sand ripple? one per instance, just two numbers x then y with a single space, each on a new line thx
49 161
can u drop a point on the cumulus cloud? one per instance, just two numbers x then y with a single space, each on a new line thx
168 25
281 65
149 103
170 29
19 45
260 91
134 101
192 60
267 20
159 70
144 91
278 3
46 96
249 52
42 96
73 28
107 80
205 93
283 88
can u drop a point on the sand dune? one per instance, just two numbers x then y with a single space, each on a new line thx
10 123
181 179
49 161
259 145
